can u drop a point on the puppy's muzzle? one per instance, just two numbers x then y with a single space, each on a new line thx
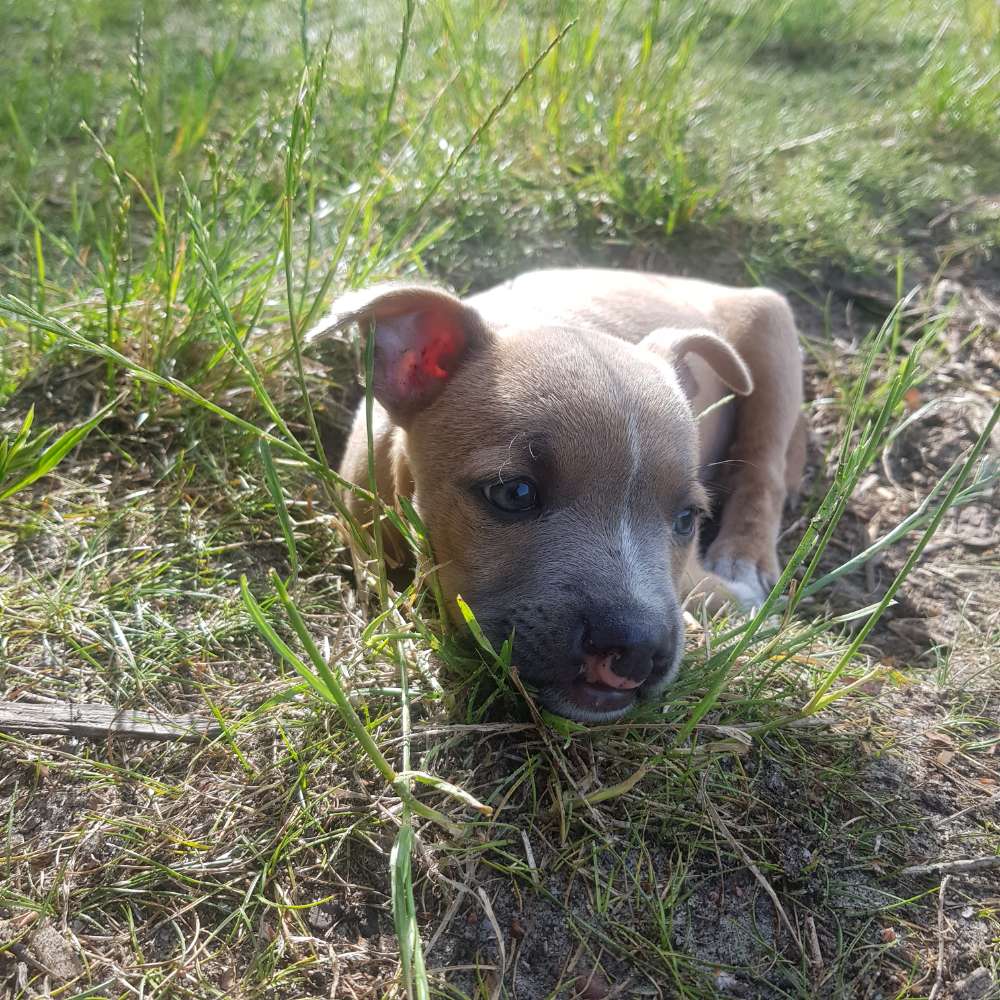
623 656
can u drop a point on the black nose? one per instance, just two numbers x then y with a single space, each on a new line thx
638 642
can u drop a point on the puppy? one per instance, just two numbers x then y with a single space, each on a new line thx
560 436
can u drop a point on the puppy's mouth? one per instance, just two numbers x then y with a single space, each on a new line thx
597 690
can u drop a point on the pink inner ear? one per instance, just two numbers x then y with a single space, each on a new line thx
441 341
415 357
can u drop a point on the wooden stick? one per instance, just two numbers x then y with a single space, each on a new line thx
83 719
969 867
942 929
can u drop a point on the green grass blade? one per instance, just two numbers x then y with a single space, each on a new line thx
56 452
280 507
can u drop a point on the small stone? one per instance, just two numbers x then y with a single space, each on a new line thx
320 919
977 984
52 950
728 985
593 986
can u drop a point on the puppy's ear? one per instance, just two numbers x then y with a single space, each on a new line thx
674 346
422 335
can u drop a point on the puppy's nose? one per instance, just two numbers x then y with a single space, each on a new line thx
620 650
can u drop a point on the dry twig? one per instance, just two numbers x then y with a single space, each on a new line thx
102 720
939 975
971 866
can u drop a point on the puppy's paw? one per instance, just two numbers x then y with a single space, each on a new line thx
749 579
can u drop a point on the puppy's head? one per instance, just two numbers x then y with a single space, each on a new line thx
557 475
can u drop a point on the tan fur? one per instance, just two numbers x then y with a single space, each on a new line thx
600 374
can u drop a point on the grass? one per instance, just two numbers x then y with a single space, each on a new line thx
385 813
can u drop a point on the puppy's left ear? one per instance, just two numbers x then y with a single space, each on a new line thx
423 335
673 346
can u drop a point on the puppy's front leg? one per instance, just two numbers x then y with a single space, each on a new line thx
766 454
702 588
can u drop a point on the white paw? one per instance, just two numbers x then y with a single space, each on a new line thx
749 583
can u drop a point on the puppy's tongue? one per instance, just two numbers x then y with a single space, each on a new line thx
597 669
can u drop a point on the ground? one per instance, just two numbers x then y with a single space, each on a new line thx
758 838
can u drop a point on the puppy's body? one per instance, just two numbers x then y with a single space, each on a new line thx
581 390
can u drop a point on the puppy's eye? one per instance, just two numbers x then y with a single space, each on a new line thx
685 521
513 496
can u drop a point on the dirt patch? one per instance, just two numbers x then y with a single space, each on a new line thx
832 839
949 606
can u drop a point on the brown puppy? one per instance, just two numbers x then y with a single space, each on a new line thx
550 434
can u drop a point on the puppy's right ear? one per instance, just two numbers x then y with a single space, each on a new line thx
674 346
422 336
